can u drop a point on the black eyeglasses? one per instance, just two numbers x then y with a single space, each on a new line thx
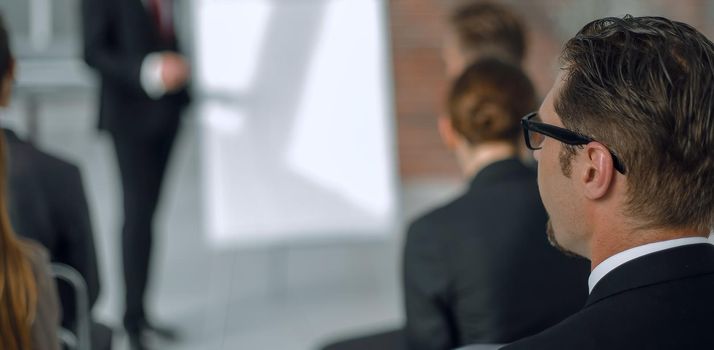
535 132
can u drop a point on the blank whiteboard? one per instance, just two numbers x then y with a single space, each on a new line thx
294 99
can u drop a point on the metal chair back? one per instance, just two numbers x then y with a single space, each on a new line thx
79 339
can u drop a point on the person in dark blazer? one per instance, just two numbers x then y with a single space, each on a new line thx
480 269
625 148
29 306
132 45
47 203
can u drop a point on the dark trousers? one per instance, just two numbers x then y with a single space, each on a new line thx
389 340
101 336
142 159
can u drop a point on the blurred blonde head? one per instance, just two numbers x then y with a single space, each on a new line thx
481 29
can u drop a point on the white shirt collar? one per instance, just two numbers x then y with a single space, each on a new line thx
618 259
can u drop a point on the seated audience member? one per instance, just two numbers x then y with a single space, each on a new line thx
480 29
47 203
29 310
625 150
480 269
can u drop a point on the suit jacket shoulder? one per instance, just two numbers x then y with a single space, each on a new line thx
480 268
659 301
47 203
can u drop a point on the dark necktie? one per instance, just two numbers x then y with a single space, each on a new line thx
161 14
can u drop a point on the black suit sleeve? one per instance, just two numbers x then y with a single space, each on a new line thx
101 46
426 283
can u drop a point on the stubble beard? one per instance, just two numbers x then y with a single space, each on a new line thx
554 242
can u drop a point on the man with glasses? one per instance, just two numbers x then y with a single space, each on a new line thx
625 148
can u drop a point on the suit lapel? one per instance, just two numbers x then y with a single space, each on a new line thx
667 265
143 17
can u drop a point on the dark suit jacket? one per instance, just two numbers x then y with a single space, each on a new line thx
118 35
47 203
47 314
659 301
480 269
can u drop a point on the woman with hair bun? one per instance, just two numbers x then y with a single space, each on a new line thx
480 269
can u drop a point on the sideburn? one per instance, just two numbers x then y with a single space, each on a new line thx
567 153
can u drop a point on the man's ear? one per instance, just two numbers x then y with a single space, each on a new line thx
598 173
447 132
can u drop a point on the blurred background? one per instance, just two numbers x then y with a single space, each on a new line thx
310 144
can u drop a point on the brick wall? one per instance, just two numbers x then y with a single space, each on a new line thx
417 29
419 82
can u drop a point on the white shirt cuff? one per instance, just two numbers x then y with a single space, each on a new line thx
151 76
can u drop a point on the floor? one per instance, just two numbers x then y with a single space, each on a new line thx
295 296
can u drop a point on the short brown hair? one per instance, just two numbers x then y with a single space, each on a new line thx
488 100
643 86
483 26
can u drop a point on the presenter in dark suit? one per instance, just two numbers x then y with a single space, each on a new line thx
480 269
132 45
47 203
633 189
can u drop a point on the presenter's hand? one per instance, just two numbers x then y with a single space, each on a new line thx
174 71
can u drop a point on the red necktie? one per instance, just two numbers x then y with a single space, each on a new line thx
162 19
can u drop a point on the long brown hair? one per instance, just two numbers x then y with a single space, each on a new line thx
18 290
